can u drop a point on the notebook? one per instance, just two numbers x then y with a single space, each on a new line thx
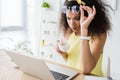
37 67
90 77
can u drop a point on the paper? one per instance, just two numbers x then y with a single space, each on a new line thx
95 78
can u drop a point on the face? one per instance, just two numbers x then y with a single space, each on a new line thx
73 20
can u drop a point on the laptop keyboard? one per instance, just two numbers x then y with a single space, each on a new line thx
59 76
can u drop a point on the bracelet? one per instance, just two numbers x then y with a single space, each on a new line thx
85 37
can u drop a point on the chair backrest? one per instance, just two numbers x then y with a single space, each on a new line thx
106 66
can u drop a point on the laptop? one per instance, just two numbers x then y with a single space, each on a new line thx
37 67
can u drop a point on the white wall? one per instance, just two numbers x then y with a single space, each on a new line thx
112 47
34 23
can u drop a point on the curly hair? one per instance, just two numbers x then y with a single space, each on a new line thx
100 23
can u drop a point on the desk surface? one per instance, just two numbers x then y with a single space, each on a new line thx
8 71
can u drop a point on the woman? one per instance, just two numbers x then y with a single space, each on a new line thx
85 25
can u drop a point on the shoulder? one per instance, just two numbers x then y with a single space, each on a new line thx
99 40
99 37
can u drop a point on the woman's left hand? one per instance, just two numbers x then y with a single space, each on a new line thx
85 21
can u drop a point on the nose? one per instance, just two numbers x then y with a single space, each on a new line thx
72 22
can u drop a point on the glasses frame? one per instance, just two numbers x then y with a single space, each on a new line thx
75 9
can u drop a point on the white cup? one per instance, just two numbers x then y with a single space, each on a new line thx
63 46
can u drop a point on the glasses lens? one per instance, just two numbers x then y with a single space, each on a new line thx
64 9
75 9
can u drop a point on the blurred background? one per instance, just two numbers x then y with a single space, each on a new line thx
32 26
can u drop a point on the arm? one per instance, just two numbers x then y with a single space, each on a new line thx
90 54
67 36
63 54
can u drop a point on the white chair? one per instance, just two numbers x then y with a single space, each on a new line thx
106 66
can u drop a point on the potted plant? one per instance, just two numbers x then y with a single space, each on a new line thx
45 5
24 47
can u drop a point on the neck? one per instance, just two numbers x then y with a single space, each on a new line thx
77 33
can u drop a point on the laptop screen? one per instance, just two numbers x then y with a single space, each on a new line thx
37 67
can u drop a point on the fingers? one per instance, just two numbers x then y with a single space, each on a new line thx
57 47
88 9
82 11
86 20
94 10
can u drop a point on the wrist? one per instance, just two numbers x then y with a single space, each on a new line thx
84 32
85 38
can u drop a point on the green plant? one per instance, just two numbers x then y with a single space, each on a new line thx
24 46
45 5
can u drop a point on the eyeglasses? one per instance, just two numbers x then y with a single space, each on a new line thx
75 9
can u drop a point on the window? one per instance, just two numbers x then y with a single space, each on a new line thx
12 15
13 20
